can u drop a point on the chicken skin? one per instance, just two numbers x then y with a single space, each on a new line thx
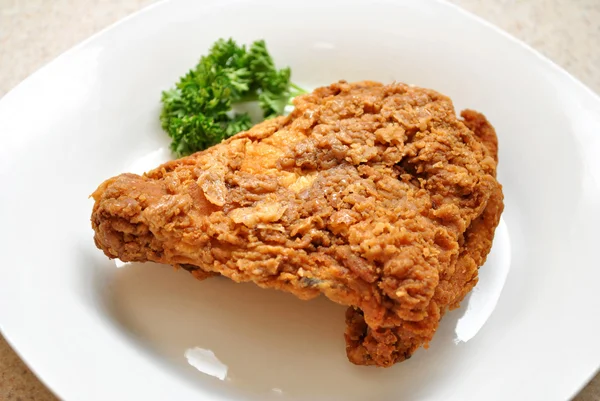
377 196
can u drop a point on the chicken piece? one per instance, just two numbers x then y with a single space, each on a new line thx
376 196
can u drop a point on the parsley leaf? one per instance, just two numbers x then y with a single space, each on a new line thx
196 113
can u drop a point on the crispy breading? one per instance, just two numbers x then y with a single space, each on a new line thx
376 196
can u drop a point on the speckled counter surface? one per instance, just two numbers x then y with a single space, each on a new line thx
33 32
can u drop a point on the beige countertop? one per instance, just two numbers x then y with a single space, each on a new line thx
33 32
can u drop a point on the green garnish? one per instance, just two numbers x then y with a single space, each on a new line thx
197 111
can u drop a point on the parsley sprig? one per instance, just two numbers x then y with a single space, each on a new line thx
197 111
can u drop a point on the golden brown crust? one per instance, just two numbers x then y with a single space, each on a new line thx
376 196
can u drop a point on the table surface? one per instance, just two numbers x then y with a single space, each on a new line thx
33 32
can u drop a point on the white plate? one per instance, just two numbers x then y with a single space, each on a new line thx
92 331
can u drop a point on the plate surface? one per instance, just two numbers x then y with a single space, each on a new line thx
95 331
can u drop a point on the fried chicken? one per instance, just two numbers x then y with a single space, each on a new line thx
376 196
